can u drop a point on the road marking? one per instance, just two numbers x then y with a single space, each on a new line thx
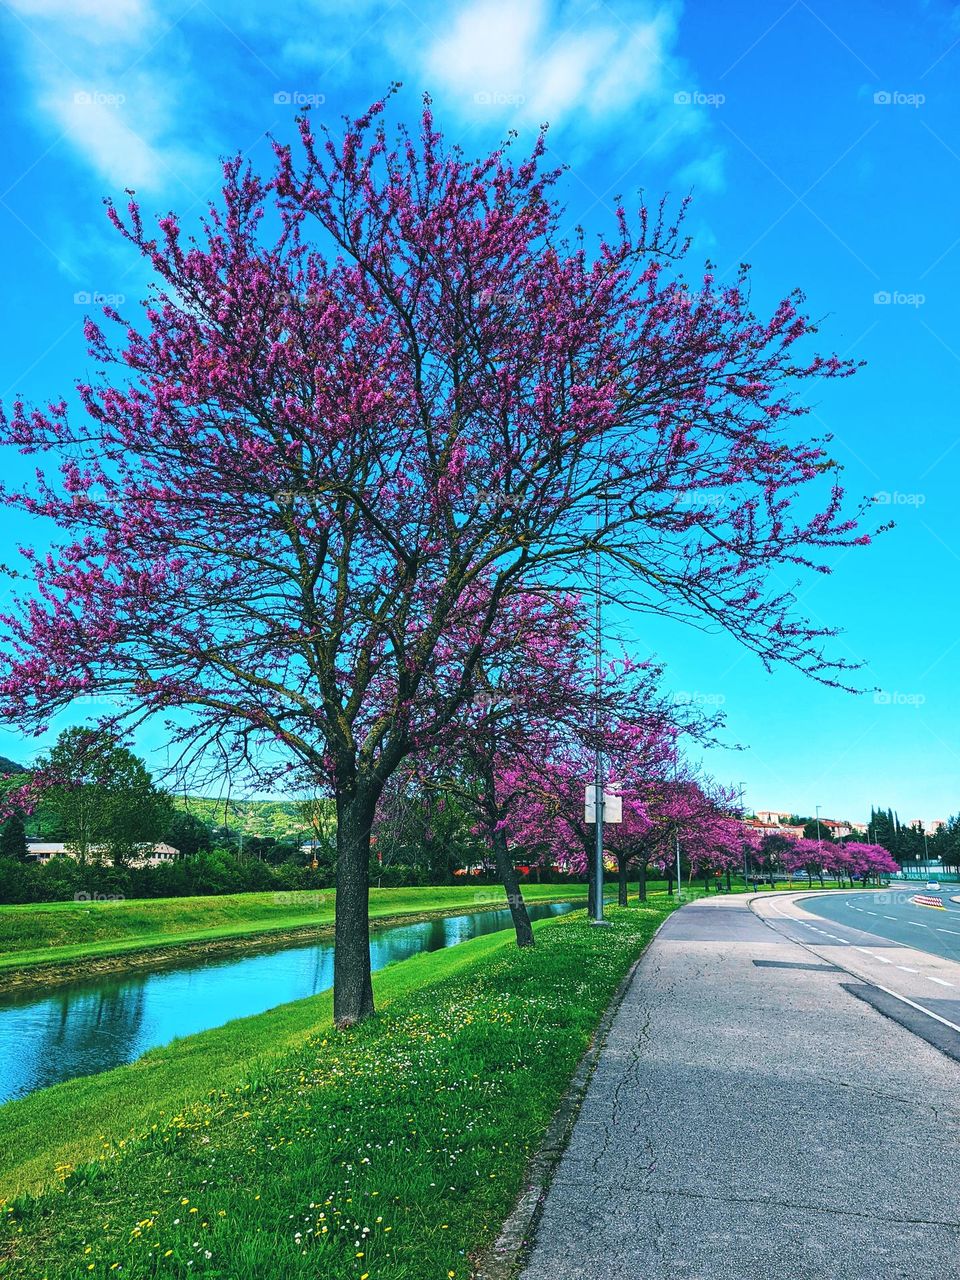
870 913
873 955
941 981
939 930
919 1007
890 918
895 995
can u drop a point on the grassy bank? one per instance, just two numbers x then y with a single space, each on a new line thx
391 1152
47 932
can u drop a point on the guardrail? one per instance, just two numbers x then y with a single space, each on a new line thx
928 900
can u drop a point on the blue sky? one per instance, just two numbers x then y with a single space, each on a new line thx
821 143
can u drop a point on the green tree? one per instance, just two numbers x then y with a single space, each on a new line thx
813 830
187 833
104 798
13 838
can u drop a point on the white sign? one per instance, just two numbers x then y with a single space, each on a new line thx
612 805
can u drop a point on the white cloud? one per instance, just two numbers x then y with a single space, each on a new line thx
84 61
551 61
91 15
597 76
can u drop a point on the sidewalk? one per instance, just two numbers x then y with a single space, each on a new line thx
749 1121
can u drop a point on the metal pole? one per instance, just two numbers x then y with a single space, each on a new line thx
598 762
679 893
742 818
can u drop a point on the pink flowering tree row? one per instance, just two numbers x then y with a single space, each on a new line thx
374 403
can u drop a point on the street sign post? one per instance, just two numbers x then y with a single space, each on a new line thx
612 805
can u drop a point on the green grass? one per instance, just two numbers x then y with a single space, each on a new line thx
391 1151
41 933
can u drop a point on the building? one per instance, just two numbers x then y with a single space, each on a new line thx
930 826
155 856
775 822
837 827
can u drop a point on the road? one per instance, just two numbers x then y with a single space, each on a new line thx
892 915
905 952
755 1114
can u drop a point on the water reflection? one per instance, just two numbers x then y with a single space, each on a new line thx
91 1026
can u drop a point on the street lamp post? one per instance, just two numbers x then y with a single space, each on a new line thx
679 890
598 780
742 815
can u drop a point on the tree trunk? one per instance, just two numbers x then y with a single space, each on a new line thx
621 881
729 883
511 884
352 987
643 882
670 880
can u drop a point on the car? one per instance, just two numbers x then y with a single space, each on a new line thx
932 884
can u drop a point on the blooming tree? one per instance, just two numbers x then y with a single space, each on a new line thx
374 384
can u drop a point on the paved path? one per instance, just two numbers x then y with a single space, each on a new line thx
755 1120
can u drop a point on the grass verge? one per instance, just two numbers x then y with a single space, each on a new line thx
390 1152
49 932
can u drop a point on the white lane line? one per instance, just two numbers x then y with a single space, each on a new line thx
919 1007
870 913
939 930
945 1022
941 981
890 918
873 955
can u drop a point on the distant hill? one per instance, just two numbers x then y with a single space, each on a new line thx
10 766
277 818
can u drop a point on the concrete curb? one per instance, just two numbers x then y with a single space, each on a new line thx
502 1260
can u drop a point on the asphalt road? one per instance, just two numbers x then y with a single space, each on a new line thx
890 914
753 1116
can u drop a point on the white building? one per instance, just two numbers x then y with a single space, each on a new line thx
151 856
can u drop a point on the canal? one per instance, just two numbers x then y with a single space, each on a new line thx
86 1027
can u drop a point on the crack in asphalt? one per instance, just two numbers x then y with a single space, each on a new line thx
770 1202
